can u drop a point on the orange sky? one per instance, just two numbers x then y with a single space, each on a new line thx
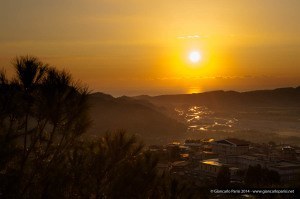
141 47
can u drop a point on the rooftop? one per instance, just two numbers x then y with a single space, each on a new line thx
233 141
214 162
180 163
287 165
248 157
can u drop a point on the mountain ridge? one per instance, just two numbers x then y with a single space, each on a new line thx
282 97
136 116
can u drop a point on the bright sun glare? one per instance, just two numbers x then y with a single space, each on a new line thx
195 56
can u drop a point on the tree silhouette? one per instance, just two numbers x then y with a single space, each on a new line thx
44 116
30 71
45 109
223 177
261 177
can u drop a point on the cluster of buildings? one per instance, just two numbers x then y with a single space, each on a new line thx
206 158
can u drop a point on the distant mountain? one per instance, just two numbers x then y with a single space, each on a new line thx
154 120
136 116
281 97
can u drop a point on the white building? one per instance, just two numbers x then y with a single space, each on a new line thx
212 167
230 146
287 170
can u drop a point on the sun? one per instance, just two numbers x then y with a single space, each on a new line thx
195 56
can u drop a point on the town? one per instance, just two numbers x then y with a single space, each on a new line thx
202 162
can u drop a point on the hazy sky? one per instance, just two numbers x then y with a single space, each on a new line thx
135 47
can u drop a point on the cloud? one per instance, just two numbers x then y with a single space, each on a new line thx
191 37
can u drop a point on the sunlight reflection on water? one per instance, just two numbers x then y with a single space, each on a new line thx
200 118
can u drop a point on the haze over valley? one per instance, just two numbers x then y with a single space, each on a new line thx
258 116
160 99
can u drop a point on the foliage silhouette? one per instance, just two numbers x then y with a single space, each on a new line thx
43 115
258 177
223 177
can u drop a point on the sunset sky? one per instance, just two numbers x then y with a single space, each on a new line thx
132 47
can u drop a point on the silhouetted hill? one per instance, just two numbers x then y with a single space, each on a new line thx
137 116
281 97
151 117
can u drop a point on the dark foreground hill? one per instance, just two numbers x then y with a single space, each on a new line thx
136 116
281 97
